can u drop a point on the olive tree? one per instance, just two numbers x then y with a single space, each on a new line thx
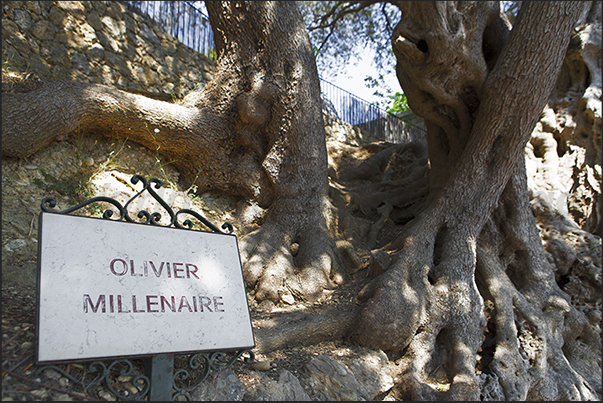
256 131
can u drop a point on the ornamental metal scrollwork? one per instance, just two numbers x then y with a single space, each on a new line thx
48 203
201 365
119 376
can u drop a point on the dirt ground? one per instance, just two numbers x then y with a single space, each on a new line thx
75 170
71 172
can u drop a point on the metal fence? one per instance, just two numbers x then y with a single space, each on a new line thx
182 20
191 26
369 117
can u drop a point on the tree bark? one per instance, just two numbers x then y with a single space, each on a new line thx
255 131
479 115
276 95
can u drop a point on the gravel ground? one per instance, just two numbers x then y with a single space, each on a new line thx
63 172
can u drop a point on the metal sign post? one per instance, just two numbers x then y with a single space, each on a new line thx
149 291
160 371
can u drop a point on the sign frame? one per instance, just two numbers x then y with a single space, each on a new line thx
151 225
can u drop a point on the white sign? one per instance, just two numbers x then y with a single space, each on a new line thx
112 288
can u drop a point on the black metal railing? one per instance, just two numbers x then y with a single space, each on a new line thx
182 20
369 117
191 26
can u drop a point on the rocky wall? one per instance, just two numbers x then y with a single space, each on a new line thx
106 42
100 42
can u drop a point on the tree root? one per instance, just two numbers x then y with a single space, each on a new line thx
284 330
289 259
529 356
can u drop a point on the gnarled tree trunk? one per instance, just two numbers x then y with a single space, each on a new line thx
477 238
255 130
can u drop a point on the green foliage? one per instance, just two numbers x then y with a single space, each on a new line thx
393 103
340 29
6 62
76 187
399 103
212 55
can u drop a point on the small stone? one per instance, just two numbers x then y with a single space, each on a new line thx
31 167
261 365
105 395
131 388
288 299
89 161
266 306
124 378
294 248
52 374
15 244
40 393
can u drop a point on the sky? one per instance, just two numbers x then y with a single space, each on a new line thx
352 78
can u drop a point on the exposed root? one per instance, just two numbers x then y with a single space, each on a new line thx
332 322
538 333
287 260
384 184
529 357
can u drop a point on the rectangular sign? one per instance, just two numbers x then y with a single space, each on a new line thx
112 289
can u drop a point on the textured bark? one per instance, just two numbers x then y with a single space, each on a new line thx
479 117
255 130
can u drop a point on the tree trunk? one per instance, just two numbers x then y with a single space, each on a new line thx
266 64
479 115
255 130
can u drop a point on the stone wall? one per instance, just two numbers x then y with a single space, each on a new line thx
98 42
106 42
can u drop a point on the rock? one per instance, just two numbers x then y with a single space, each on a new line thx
288 388
41 394
23 20
44 31
261 365
52 374
225 387
287 298
15 244
332 380
36 36
106 395
372 373
266 306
